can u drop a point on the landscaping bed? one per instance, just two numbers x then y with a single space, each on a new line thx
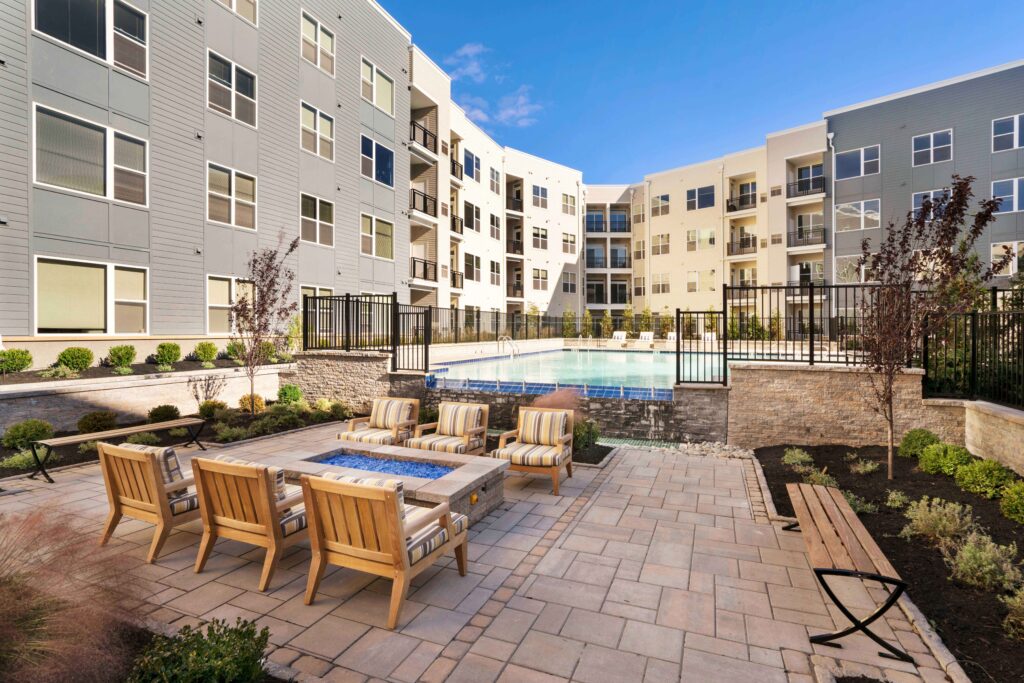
102 371
968 619
592 455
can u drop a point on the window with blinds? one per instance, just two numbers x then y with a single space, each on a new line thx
231 197
317 43
317 131
107 298
231 90
317 223
129 38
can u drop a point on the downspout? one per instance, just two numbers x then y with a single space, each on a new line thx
830 147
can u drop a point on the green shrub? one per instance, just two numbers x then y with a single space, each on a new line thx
285 357
123 370
985 477
250 401
268 352
163 413
324 404
144 439
981 562
428 414
865 467
796 456
820 478
121 356
273 424
87 447
21 435
943 458
340 410
58 372
940 523
22 460
584 435
227 415
1013 624
163 367
1012 503
915 441
205 352
99 421
289 393
167 353
234 350
851 456
76 358
207 409
15 360
896 499
858 504
216 652
178 432
225 433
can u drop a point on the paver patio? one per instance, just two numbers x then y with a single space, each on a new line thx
660 567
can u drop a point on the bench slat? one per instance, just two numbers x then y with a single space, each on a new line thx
833 502
833 542
123 431
878 558
815 545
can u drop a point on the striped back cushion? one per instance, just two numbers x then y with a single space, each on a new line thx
388 412
276 472
396 484
456 419
541 426
167 459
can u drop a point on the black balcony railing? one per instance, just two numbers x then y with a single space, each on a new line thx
457 226
419 134
618 225
515 289
619 261
423 269
422 202
745 283
456 170
746 244
596 298
596 262
457 279
741 202
805 282
806 186
595 225
515 247
806 237
619 297
513 204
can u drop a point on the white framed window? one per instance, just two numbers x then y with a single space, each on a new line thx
231 90
495 273
222 291
495 227
311 290
933 148
849 271
472 271
471 216
700 198
692 281
659 205
86 158
1010 192
471 164
540 196
108 298
540 279
316 220
1008 133
540 238
639 288
377 87
1016 249
377 162
116 33
569 283
317 131
495 181
859 215
317 43
919 198
230 196
377 237
660 284
660 244
639 250
243 8
568 204
568 243
858 162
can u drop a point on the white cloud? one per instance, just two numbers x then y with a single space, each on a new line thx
467 63
517 109
475 108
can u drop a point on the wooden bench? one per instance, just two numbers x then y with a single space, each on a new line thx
840 545
194 425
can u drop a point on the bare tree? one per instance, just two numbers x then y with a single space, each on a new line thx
927 271
262 308
206 388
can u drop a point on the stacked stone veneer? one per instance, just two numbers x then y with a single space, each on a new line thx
356 377
774 404
996 433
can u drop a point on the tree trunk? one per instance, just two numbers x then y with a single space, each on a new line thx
252 399
890 420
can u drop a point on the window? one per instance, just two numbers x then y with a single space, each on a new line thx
639 250
540 238
638 287
849 270
700 239
808 224
707 280
857 163
472 267
692 281
660 284
931 148
309 290
495 181
568 243
377 237
660 244
659 205
471 164
540 279
230 197
638 213
231 90
540 196
377 88
595 220
73 154
858 215
107 299
243 8
569 283
495 273
495 227
933 196
82 24
568 204
377 162
471 216
1016 250
1008 133
221 293
317 220
700 198
618 220
324 321
1010 193
317 44
317 131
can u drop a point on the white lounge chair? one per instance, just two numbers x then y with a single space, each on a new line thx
670 337
647 338
619 336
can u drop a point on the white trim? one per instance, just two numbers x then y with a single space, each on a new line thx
1017 252
317 113
303 12
231 198
229 5
233 281
835 156
374 159
334 225
861 202
373 237
235 67
377 71
1018 196
931 148
931 196
1018 124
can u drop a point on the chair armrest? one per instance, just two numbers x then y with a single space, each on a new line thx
423 519
357 421
506 437
476 430
424 428
184 483
565 438
290 501
402 426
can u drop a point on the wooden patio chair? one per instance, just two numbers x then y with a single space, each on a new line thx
364 524
240 501
391 422
146 483
460 428
542 443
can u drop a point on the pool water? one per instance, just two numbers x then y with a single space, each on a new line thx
401 468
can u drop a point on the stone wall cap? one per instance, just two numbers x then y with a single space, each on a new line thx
948 402
339 353
690 386
804 367
1004 412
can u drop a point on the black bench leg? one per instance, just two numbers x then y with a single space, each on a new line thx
792 526
193 436
862 624
41 464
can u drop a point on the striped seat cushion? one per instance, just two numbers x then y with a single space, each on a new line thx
428 539
182 504
383 437
280 488
541 427
531 455
388 412
292 522
443 444
456 419
395 484
167 459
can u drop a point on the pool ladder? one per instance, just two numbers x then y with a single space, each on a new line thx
513 348
583 343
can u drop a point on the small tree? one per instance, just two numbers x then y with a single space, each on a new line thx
711 320
627 320
262 308
665 322
646 320
607 326
927 271
588 324
569 323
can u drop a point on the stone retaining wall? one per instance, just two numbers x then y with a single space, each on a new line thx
995 432
356 377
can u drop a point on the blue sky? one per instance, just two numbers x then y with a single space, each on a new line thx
619 89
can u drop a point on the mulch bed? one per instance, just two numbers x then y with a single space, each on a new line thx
102 371
968 620
592 455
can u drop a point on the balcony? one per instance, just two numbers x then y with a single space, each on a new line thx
457 279
514 247
596 298
423 269
745 283
457 225
456 170
595 224
513 204
805 187
419 134
805 282
806 238
515 290
619 297
613 261
746 244
618 225
423 202
741 202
